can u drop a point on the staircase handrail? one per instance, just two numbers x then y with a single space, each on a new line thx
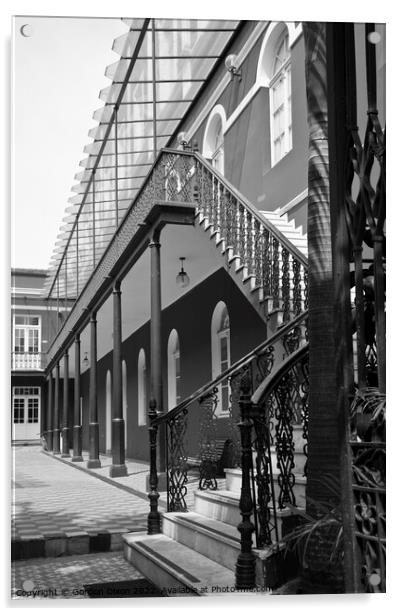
255 211
272 380
238 365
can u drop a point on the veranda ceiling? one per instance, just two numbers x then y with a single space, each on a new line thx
163 64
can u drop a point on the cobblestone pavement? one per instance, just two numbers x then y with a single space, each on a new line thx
68 577
50 497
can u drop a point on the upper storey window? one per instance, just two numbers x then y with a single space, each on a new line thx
26 334
281 101
213 147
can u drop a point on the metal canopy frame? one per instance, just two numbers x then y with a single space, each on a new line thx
163 66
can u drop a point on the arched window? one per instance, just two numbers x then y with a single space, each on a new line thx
173 352
124 383
274 72
213 146
108 411
220 346
281 101
142 389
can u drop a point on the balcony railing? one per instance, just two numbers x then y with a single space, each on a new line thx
279 269
28 361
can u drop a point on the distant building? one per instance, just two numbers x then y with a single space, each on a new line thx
33 325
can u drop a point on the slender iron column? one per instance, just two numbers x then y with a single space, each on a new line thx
93 461
50 411
65 431
77 430
118 467
56 428
245 566
155 404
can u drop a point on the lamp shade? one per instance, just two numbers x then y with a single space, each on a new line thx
182 278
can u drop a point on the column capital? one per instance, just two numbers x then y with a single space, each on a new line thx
155 241
117 286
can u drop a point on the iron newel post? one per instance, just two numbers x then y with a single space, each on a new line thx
154 519
155 404
245 566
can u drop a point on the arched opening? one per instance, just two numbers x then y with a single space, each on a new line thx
220 347
174 371
142 389
274 71
124 384
213 146
108 411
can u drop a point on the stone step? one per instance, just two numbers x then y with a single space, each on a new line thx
223 505
220 505
175 568
214 539
233 484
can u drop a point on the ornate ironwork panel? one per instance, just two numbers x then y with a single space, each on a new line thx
285 285
275 273
177 463
297 291
208 452
365 211
267 528
284 443
368 448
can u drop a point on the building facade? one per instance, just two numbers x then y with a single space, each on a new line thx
182 266
33 326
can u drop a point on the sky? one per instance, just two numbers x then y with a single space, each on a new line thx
58 71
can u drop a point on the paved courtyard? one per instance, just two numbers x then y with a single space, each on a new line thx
51 497
103 576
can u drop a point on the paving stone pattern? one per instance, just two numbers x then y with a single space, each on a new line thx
50 498
65 577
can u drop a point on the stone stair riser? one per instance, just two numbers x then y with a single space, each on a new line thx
220 549
233 484
212 506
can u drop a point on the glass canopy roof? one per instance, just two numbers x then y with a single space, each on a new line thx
163 64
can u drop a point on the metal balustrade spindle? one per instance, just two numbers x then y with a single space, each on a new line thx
297 297
242 234
285 285
275 289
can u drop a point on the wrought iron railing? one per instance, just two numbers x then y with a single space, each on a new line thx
279 403
277 267
218 432
27 361
368 446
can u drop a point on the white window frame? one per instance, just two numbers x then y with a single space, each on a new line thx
27 327
283 73
211 150
142 388
173 353
26 397
217 334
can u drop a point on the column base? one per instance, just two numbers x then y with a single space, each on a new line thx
118 470
65 455
77 459
93 464
56 453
